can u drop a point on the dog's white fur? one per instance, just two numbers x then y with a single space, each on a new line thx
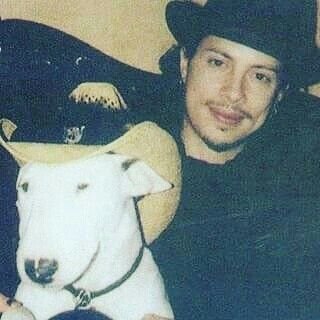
82 214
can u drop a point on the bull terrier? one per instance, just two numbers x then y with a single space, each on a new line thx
81 244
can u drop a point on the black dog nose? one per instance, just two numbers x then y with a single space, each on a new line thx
42 272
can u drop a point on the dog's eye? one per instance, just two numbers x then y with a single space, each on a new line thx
25 186
82 186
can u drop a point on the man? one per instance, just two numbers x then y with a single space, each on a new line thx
243 244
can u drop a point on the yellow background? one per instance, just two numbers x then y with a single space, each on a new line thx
132 31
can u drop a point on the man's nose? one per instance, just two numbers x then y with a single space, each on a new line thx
233 89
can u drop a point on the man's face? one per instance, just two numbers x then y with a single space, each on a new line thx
229 90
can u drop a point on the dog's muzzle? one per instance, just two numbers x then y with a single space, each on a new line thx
41 271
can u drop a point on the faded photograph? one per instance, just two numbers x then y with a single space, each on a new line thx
159 159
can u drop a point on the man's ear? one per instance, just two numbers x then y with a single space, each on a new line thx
280 96
184 61
282 93
140 179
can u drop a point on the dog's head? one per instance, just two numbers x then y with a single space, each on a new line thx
69 212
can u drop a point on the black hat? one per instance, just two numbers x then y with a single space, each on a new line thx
254 23
304 54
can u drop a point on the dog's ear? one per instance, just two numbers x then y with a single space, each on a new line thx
140 179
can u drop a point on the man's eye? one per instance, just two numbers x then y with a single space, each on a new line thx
216 62
263 77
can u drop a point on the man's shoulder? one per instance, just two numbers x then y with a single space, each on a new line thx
290 139
300 110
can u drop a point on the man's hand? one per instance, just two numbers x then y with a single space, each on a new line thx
5 303
13 310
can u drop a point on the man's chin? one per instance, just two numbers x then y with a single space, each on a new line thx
225 146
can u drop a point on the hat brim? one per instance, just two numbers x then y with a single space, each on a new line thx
145 141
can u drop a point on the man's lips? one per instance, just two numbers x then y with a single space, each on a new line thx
227 117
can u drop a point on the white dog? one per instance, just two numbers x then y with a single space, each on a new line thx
80 236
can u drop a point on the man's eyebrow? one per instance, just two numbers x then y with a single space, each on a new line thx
274 69
271 68
214 50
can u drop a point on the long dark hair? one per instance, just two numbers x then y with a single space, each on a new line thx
173 110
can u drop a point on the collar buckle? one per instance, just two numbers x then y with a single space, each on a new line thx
82 299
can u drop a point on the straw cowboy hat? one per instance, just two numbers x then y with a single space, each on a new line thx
145 141
47 50
127 30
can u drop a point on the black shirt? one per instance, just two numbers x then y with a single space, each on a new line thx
244 243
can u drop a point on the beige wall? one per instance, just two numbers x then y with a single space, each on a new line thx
133 31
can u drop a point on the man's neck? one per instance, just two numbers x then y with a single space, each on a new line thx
196 148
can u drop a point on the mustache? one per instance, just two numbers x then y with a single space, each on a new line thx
223 106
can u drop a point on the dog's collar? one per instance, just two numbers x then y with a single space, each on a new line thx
83 297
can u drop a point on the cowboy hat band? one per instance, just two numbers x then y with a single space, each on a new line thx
145 141
256 24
